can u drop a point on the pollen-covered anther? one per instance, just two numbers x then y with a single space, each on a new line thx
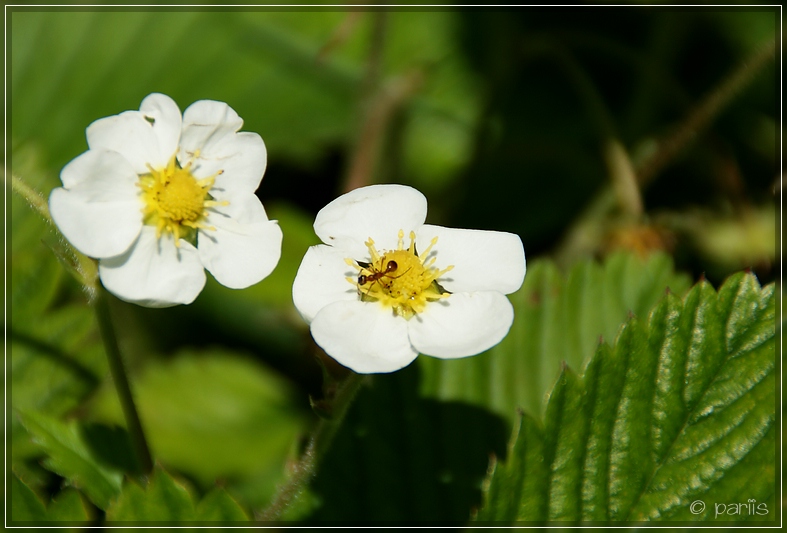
175 201
401 279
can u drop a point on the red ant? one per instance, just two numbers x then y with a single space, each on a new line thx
363 279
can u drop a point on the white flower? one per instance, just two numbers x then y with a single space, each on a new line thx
385 286
158 198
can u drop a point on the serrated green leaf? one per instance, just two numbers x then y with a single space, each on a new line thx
556 320
680 410
25 505
68 455
218 506
67 506
163 500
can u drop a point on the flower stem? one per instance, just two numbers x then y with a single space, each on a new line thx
122 386
319 442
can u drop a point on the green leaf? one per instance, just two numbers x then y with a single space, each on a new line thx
556 321
68 507
162 500
215 415
165 499
287 56
25 505
679 410
400 457
218 506
68 455
56 361
55 353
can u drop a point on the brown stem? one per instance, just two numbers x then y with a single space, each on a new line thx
378 118
702 115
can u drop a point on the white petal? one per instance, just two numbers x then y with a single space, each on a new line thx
243 249
321 280
133 136
167 121
376 211
461 325
482 260
208 124
111 169
238 163
154 273
99 211
363 336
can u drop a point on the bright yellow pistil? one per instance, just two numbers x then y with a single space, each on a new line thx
400 279
175 201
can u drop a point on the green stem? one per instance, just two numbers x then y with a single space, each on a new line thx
319 443
85 270
122 386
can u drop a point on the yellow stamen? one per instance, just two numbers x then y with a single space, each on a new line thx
175 201
400 279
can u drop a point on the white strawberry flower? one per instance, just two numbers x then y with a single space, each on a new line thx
159 197
385 287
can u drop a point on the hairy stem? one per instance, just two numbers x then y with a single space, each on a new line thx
77 264
32 197
319 443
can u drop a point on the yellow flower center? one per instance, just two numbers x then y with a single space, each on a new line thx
400 279
175 201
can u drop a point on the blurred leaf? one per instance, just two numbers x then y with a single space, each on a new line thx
680 409
239 419
731 241
68 507
556 320
218 506
68 455
271 67
55 360
55 355
35 271
398 457
249 54
441 121
162 500
25 505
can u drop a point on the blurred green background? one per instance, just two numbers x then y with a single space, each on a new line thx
501 117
